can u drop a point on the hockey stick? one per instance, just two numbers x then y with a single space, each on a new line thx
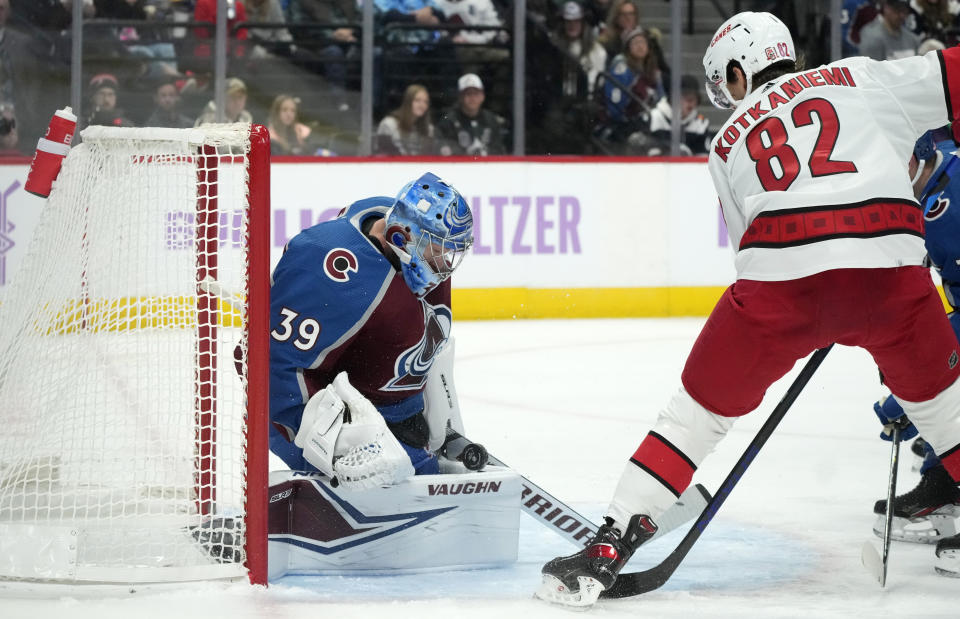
635 583
556 515
868 554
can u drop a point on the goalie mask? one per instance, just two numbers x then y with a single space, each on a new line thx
755 41
430 228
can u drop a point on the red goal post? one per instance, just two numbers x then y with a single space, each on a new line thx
134 364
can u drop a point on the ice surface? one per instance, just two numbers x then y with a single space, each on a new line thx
566 403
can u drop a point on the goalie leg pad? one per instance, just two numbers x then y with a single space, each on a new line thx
422 524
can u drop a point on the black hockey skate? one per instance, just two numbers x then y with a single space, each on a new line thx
948 556
578 579
925 514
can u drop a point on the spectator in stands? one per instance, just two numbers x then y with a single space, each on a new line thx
103 103
854 15
150 43
336 46
595 13
206 11
467 128
288 136
270 39
929 45
633 89
473 46
346 12
887 37
584 56
48 15
166 112
408 130
9 139
934 19
328 12
624 16
422 12
234 107
21 79
196 89
695 133
471 13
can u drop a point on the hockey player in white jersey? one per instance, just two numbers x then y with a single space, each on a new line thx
811 177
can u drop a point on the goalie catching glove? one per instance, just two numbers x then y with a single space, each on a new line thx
344 436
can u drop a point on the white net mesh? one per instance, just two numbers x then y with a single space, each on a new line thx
122 448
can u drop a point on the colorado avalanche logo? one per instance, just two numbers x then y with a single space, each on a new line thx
938 208
397 235
339 263
411 368
458 218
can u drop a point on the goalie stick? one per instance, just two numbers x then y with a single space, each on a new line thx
560 518
636 583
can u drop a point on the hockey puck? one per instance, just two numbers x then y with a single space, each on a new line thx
474 456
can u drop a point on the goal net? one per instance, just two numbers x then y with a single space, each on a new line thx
133 364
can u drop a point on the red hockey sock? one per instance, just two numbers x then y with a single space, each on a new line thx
951 462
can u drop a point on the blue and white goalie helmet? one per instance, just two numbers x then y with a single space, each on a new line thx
430 228
755 40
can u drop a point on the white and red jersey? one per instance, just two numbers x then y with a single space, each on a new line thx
811 167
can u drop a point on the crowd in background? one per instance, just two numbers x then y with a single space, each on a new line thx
597 78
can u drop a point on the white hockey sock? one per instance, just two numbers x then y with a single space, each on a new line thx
938 420
663 465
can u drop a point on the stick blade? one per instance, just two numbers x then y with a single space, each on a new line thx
637 583
690 504
686 508
872 561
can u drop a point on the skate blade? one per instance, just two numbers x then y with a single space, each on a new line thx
926 530
948 564
553 591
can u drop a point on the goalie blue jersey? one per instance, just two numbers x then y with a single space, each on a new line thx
338 304
942 233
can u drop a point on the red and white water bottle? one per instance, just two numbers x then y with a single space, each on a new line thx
51 150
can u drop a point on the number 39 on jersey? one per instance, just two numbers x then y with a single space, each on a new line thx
304 331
